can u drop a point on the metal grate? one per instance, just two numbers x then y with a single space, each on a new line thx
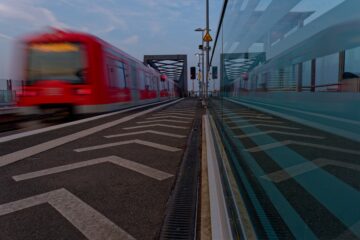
180 221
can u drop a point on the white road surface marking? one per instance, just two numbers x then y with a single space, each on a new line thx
167 117
134 141
47 129
172 114
288 142
31 151
87 220
155 125
253 120
264 125
291 172
147 131
137 167
278 132
180 112
163 120
245 116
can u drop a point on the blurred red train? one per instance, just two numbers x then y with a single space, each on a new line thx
83 74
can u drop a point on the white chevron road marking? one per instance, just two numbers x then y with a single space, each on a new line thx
291 172
135 141
253 120
163 120
155 125
288 142
278 132
264 125
172 114
42 147
178 111
246 116
137 167
87 220
167 117
147 131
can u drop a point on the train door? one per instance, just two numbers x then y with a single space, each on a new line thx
111 73
119 91
134 83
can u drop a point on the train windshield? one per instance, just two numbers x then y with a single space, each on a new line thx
56 61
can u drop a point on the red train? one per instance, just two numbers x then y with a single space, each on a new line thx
83 74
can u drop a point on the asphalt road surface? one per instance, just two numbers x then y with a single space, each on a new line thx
108 178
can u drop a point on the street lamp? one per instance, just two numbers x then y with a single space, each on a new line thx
202 30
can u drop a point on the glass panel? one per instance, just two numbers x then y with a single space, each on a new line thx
352 62
327 72
288 117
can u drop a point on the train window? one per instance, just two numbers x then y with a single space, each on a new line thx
154 82
163 85
112 75
121 75
56 61
141 80
147 81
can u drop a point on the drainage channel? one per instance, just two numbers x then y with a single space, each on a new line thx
180 220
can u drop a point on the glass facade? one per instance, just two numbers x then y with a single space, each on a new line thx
288 117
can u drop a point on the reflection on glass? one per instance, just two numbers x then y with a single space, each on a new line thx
288 116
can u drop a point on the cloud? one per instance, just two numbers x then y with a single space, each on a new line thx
26 11
109 14
132 40
4 36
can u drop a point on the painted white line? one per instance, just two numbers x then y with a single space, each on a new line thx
164 120
137 167
47 129
167 117
301 111
180 112
135 141
253 120
264 125
288 142
172 114
333 130
146 131
278 132
245 116
87 220
291 172
31 151
155 125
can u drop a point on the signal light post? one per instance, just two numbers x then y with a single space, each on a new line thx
203 60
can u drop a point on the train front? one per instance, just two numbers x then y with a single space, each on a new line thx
55 75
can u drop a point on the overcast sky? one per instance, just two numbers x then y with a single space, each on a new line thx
136 26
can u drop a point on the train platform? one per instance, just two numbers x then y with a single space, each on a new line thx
115 176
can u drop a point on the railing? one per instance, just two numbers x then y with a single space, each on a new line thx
8 88
7 97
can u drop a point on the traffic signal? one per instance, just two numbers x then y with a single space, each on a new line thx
193 72
214 72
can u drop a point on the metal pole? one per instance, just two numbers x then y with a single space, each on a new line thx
203 65
207 50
